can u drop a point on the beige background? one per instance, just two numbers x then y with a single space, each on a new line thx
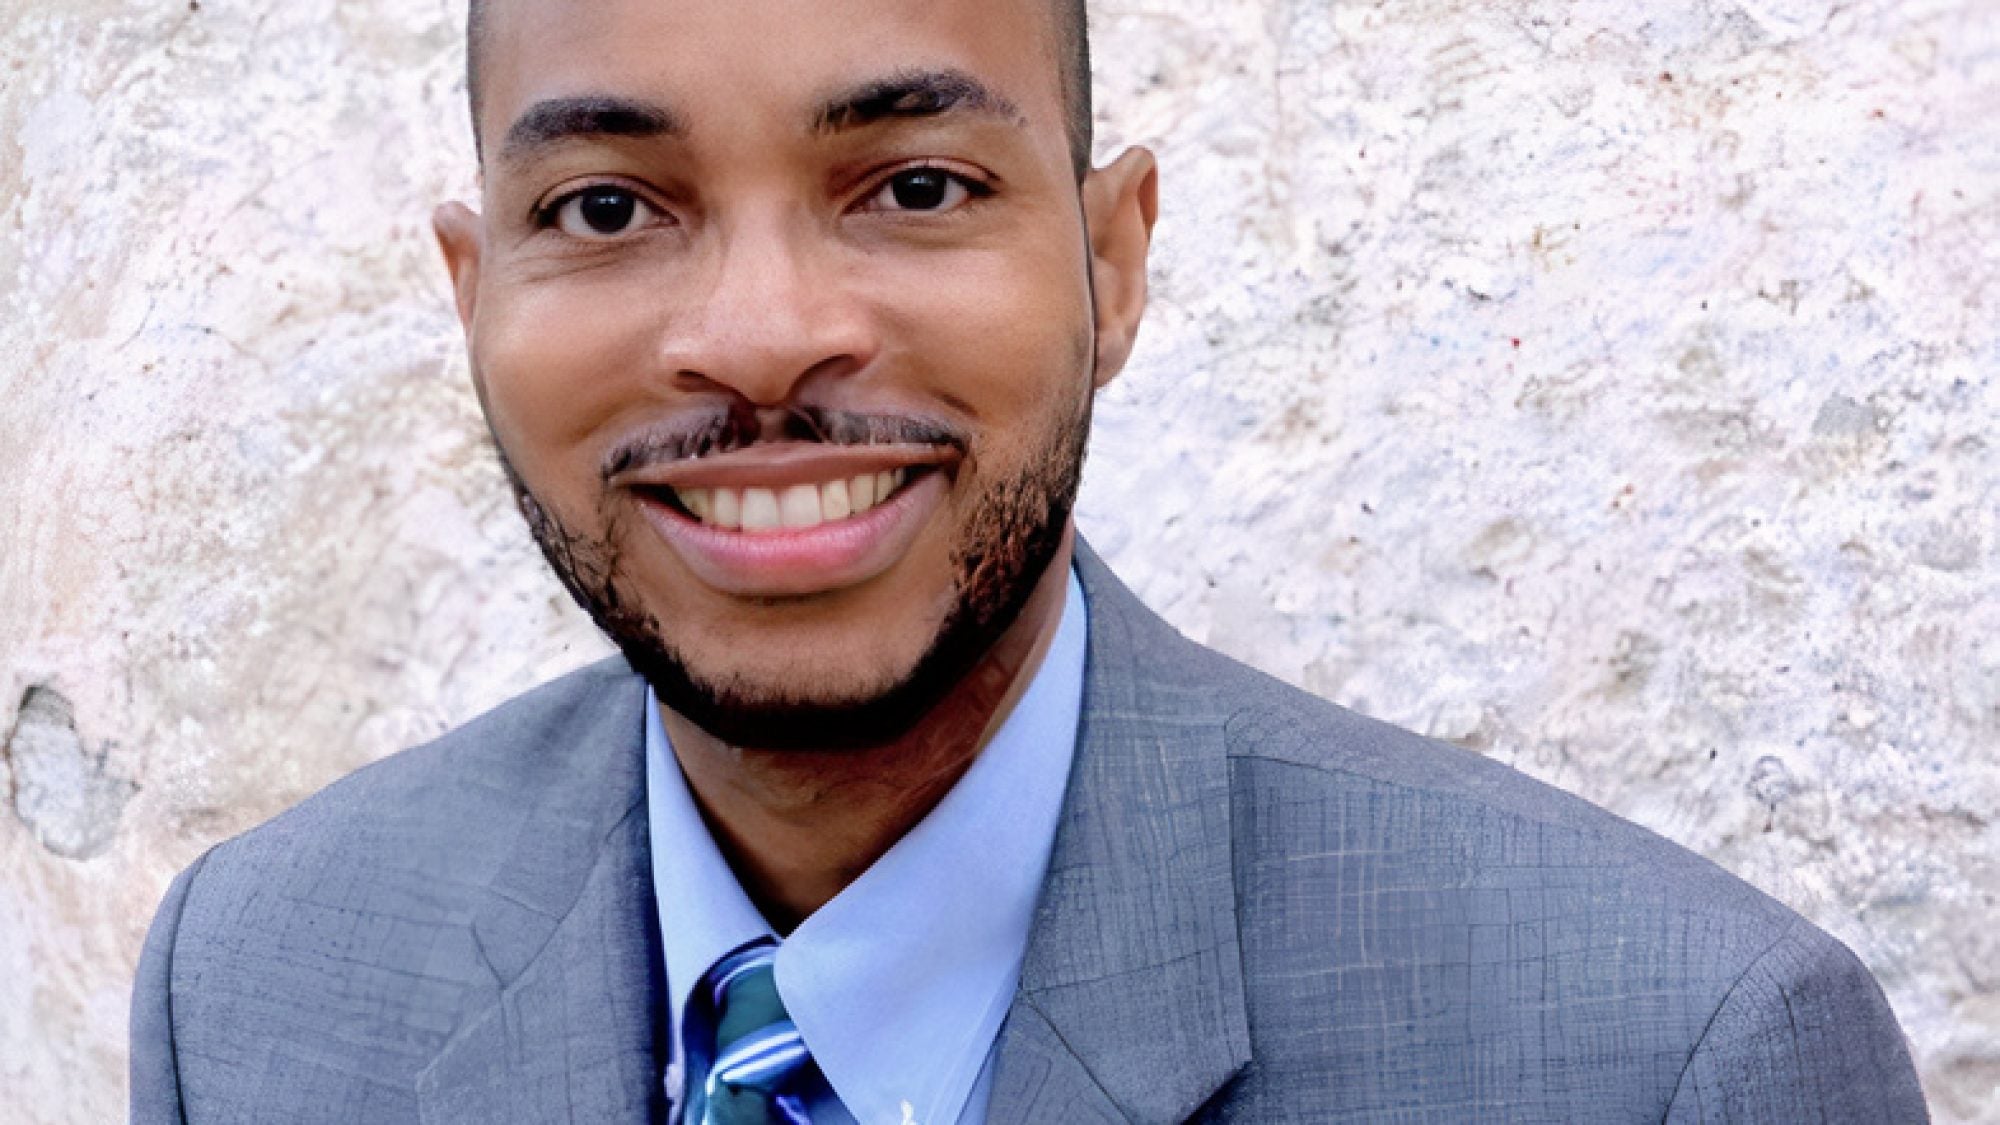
1606 386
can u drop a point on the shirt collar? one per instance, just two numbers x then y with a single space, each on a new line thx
900 983
704 914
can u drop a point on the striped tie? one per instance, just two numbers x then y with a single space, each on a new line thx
759 1057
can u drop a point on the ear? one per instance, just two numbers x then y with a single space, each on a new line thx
461 235
1120 202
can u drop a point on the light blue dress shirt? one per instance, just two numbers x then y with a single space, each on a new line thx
900 983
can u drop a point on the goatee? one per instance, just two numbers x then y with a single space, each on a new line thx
1014 531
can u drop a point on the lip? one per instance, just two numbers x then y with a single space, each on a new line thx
778 465
795 562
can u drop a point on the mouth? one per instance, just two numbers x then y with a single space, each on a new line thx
793 507
793 520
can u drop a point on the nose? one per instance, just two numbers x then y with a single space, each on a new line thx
766 315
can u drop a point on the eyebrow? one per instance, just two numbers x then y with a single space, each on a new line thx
906 95
551 122
913 94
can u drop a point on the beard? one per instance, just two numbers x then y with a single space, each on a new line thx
1005 545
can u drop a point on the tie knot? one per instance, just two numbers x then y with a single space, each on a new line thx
758 1056
744 989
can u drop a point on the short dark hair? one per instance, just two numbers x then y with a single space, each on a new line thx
1072 46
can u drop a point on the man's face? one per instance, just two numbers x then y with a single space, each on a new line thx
781 314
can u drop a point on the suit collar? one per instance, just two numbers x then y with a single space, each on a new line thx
569 931
1131 1003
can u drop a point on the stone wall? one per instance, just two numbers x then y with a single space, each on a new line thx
1605 386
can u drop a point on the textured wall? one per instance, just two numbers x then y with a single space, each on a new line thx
1603 385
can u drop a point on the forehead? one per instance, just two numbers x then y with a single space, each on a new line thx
722 58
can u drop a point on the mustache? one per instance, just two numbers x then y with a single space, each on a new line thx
724 429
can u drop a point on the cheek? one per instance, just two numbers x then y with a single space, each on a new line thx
557 363
1001 335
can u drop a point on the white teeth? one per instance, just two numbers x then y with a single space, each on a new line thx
798 506
728 509
760 510
833 501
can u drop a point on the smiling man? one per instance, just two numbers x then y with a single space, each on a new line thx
787 318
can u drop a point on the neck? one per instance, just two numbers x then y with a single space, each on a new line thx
799 826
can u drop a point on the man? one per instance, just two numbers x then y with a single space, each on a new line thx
787 318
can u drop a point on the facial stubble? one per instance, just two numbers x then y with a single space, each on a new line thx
1005 545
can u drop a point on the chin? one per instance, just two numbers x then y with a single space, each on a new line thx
792 688
831 680
798 709
835 649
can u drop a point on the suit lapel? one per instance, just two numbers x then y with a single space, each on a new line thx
571 934
1130 1005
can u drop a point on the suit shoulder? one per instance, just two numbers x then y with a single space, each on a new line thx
1804 1032
1287 744
357 929
1375 857
457 795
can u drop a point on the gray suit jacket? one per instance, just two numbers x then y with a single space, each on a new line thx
1261 908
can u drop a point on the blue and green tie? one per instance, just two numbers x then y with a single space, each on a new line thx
752 1070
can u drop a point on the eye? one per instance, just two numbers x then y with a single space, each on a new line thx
598 213
924 190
